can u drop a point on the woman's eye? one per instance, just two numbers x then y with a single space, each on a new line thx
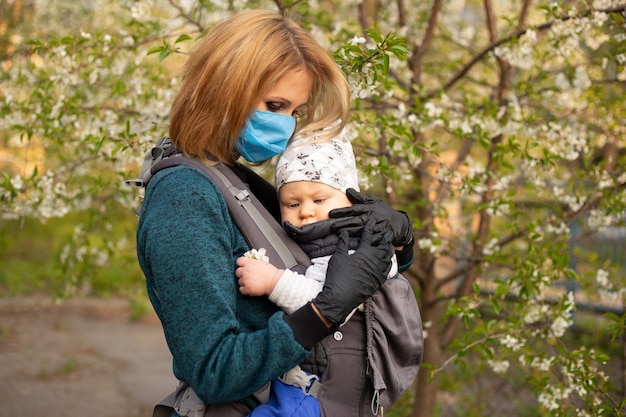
299 113
273 106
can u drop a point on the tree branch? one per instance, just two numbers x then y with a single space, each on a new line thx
539 28
183 13
415 62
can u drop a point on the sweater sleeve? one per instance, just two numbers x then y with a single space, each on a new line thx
405 256
294 290
225 345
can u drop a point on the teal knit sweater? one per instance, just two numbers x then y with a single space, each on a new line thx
224 344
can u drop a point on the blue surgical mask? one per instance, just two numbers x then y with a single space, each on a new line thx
264 135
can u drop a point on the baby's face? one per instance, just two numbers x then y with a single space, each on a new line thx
306 202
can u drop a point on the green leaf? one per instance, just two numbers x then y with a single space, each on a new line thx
155 49
164 54
386 64
374 35
496 306
182 38
399 50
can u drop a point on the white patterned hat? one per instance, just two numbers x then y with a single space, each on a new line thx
330 162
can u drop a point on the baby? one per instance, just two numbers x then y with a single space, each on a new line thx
311 180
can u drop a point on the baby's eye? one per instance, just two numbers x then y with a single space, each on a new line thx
318 200
293 205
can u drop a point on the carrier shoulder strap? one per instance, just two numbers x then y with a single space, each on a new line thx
256 223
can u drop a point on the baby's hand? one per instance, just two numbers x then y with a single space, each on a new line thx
256 277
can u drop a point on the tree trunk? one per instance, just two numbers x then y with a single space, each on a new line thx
426 388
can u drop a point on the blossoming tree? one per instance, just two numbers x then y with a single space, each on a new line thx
499 126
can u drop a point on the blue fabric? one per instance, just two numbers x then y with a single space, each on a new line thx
224 344
287 401
264 135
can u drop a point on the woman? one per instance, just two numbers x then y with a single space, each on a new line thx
242 89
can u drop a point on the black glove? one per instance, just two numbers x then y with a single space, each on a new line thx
318 239
366 207
310 232
350 279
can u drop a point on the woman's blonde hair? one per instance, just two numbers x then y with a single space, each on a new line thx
232 68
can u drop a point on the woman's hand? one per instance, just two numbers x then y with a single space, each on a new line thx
352 278
365 208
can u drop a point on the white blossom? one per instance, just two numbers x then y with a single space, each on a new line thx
542 364
257 254
535 313
511 342
432 110
425 243
499 367
552 397
17 182
491 247
497 209
602 278
558 229
358 40
559 325
581 79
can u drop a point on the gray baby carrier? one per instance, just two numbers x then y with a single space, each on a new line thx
364 366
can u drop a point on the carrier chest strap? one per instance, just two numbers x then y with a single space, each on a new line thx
244 199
